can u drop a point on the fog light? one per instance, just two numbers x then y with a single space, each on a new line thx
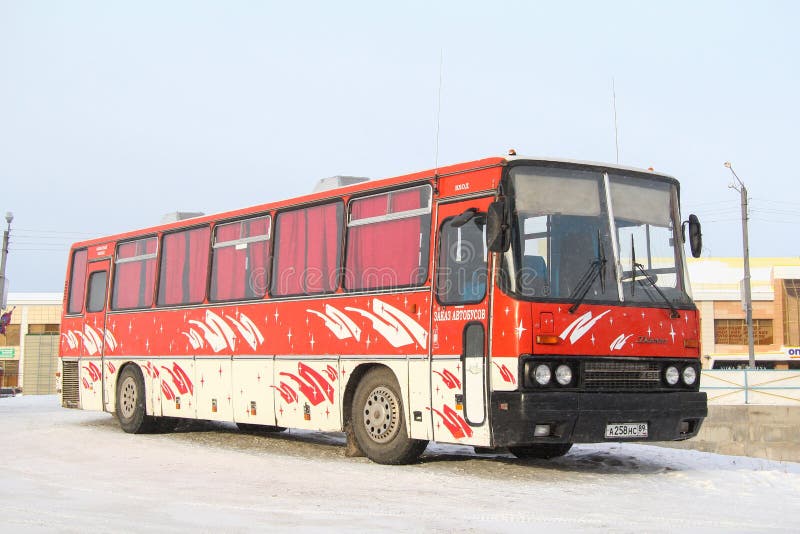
542 374
671 375
689 376
541 431
563 374
684 428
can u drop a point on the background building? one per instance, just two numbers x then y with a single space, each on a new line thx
717 287
29 348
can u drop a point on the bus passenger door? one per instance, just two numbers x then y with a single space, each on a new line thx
91 375
459 363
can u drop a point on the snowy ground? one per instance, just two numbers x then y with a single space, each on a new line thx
73 471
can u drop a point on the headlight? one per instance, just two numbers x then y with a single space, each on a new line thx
671 375
563 374
542 374
689 375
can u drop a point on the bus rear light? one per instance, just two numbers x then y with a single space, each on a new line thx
691 343
547 340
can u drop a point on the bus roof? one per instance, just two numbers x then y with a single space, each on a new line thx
347 190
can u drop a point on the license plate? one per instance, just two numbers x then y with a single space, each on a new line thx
626 430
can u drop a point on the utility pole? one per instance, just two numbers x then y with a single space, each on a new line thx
747 297
3 255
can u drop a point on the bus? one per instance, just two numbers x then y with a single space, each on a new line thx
509 303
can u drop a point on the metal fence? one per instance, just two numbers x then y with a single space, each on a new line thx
751 386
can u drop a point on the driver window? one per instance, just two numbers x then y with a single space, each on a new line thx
462 274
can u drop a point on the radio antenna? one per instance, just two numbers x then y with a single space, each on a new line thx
438 111
614 105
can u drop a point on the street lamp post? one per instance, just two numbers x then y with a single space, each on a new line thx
3 255
748 301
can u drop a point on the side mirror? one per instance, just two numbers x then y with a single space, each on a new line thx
695 236
498 231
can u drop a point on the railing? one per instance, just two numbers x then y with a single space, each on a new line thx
751 386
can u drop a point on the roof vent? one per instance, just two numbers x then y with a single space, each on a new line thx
180 216
334 182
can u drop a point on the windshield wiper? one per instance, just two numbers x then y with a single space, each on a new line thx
673 311
596 268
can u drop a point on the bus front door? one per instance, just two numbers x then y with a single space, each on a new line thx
460 320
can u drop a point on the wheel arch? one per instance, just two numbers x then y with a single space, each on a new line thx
146 380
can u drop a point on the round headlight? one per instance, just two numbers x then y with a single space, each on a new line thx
563 374
671 375
542 374
689 375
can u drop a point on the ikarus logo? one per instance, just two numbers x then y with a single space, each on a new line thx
580 326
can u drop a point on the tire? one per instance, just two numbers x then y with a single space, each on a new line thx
130 405
379 423
543 451
259 429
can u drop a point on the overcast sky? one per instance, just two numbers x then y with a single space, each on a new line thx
114 113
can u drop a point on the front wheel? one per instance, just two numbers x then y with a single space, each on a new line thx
131 410
544 451
378 420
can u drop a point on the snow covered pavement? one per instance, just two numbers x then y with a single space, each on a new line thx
74 471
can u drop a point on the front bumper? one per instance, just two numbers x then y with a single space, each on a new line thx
581 417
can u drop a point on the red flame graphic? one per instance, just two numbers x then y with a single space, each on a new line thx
506 374
331 372
94 372
454 422
111 368
311 384
167 391
288 394
180 379
450 380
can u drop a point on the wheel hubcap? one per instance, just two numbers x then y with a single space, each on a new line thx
127 394
381 414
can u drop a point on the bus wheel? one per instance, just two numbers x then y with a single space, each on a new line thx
544 451
259 429
379 423
131 410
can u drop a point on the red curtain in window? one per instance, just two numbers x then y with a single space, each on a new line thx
322 248
226 267
291 249
308 251
77 282
385 254
173 259
257 256
127 277
406 236
198 264
149 269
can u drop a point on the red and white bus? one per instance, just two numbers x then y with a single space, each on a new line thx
507 302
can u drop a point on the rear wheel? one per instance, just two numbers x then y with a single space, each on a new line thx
543 451
378 420
131 409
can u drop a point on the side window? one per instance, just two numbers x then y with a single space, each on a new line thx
77 281
307 250
96 300
387 239
134 274
462 273
184 267
240 262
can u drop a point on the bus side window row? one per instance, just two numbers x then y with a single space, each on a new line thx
387 247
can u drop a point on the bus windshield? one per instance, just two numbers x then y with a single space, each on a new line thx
586 235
